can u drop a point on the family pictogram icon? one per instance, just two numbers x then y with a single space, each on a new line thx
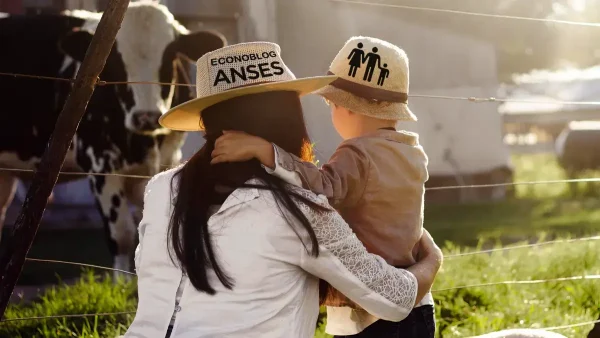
358 57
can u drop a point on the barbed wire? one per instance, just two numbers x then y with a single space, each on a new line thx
75 173
553 328
79 264
520 282
473 99
450 187
470 13
98 82
82 315
524 246
476 186
445 257
512 282
550 328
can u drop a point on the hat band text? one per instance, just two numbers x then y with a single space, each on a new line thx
367 92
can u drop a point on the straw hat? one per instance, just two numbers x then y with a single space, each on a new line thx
236 70
370 71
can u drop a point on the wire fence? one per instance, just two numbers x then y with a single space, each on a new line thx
82 315
470 13
450 187
511 282
79 264
472 99
552 328
524 246
520 282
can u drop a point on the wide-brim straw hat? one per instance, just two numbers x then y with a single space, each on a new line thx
237 70
373 79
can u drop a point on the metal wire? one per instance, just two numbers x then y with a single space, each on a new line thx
99 82
551 328
524 246
470 13
68 316
79 264
73 173
474 186
472 99
519 282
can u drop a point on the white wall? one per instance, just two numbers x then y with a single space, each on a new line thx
311 32
471 132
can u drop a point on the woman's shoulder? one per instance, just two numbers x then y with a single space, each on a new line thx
302 197
162 180
309 196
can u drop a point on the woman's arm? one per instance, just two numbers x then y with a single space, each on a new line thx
429 262
382 290
158 277
342 179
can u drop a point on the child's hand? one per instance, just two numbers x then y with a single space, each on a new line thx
237 146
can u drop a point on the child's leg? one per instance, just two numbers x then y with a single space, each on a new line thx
382 329
420 323
425 321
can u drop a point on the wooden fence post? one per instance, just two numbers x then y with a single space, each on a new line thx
28 221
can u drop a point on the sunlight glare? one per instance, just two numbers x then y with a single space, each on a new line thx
578 5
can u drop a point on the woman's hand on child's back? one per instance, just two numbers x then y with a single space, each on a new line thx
237 146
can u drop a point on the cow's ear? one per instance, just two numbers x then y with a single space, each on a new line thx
196 44
76 43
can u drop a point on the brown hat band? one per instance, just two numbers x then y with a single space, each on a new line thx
367 92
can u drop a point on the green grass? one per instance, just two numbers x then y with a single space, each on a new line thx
460 313
478 310
540 212
540 208
90 295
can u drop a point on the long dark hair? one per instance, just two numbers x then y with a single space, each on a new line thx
274 116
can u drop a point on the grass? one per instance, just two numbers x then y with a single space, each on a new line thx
539 212
90 295
477 310
542 208
459 313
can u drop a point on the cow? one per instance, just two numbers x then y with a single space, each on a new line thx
578 149
119 133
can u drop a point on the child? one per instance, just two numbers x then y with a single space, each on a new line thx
375 178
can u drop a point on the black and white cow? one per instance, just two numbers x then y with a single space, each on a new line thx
119 132
578 149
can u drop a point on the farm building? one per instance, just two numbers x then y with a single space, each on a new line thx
535 126
463 139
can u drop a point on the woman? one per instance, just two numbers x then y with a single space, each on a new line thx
230 251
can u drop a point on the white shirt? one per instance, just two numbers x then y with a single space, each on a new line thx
275 293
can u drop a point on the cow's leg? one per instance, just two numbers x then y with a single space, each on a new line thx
118 221
134 192
8 187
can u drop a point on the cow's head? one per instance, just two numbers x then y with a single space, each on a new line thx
147 46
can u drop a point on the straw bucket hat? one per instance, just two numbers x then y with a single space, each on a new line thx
237 70
370 71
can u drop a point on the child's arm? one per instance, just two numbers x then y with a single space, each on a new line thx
236 146
342 180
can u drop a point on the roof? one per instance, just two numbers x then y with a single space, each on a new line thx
547 88
584 125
